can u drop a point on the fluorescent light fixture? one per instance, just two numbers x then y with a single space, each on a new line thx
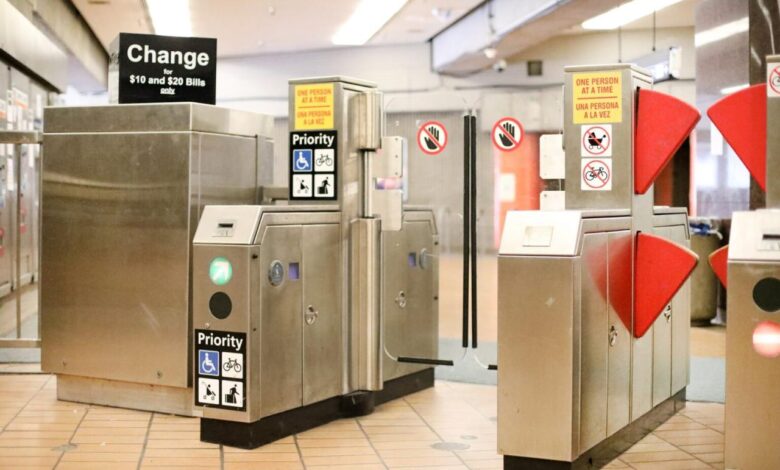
490 52
627 13
170 17
731 89
721 32
367 19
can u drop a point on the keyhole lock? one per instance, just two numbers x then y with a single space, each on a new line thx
400 299
311 315
613 334
668 313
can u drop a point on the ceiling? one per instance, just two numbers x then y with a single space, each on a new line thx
676 16
248 27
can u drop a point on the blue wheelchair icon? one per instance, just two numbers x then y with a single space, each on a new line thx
208 362
302 160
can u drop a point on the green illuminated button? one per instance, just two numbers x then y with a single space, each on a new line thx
220 271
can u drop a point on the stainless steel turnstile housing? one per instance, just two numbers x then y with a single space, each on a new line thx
123 189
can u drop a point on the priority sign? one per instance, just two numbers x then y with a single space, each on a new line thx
432 138
596 140
507 134
596 174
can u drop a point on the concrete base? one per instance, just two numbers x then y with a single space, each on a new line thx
135 396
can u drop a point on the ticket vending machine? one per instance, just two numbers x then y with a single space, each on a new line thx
750 268
593 300
293 304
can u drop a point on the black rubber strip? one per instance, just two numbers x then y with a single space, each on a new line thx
422 360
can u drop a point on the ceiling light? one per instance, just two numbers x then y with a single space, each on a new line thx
367 19
170 17
721 32
731 89
442 14
627 13
490 52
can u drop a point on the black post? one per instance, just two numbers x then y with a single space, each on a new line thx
466 221
473 223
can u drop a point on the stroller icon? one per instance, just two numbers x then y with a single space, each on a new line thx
594 142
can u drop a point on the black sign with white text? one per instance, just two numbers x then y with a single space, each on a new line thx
159 69
220 362
313 166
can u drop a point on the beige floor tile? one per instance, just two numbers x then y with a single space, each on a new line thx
348 467
398 462
100 448
343 460
188 462
704 448
651 447
333 451
22 462
616 464
101 457
95 466
713 457
496 464
263 466
303 443
663 456
676 465
179 444
195 453
262 457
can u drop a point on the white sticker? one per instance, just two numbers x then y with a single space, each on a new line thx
773 80
596 140
232 365
10 184
596 174
302 186
208 391
324 160
232 393
324 185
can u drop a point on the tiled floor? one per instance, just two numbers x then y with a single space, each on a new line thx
449 427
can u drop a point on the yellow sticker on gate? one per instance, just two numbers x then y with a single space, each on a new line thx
314 106
598 97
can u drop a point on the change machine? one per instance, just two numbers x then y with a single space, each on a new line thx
294 304
750 266
123 190
593 303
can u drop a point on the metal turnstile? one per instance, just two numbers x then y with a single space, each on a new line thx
123 190
750 268
593 301
295 306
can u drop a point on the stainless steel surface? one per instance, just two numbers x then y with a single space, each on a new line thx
387 164
366 120
323 354
410 292
539 354
752 381
158 398
123 188
157 117
619 360
20 137
366 289
594 341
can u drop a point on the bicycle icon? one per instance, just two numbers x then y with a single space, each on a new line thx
231 364
593 173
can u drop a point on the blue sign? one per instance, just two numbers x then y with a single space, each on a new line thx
302 160
208 362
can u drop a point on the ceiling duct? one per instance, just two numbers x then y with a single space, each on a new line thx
506 27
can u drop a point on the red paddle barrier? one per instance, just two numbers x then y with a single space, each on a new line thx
661 268
741 118
663 122
719 261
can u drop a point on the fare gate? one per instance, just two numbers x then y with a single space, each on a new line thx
593 301
315 289
750 268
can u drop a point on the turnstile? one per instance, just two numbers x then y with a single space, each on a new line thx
750 268
294 305
593 303
123 190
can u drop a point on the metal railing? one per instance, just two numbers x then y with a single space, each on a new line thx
17 139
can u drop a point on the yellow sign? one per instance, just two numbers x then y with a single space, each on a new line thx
314 106
598 97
